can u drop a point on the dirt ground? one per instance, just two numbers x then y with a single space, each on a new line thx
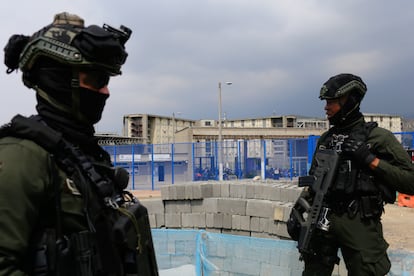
397 221
398 225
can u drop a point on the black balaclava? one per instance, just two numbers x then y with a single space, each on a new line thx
348 113
55 80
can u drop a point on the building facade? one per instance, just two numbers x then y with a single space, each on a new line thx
155 129
391 122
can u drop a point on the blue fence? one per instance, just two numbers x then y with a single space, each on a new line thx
151 166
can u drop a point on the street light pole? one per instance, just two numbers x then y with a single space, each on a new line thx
174 126
220 138
174 130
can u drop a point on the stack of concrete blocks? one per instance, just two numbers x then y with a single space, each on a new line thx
248 208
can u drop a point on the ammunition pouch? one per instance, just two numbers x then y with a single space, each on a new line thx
132 233
76 255
370 207
84 253
43 254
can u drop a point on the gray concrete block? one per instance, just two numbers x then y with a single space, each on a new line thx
216 190
264 225
274 193
188 193
197 191
165 192
238 191
153 205
273 227
199 220
279 211
173 220
250 190
292 194
177 206
245 223
213 230
152 221
259 191
224 190
197 206
214 220
285 194
288 210
259 208
255 224
193 220
281 230
231 206
172 192
206 190
236 222
267 191
179 192
160 220
209 205
227 221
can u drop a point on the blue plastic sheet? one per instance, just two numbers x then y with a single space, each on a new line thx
224 254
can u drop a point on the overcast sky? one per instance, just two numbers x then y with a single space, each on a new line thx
277 54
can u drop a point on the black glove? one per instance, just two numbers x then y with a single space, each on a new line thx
358 151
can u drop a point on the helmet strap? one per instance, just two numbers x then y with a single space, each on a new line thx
343 116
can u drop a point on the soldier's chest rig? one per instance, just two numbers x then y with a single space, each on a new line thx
118 241
354 189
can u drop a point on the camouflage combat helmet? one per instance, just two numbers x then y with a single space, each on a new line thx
342 84
67 43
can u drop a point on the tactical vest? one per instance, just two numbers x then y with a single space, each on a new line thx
118 241
355 188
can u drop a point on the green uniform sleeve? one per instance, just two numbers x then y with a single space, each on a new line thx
24 176
395 168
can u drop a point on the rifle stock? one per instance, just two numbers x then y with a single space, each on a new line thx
325 171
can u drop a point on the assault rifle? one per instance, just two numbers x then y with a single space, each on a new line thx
324 174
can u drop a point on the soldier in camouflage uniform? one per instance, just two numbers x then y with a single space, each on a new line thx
63 207
373 166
